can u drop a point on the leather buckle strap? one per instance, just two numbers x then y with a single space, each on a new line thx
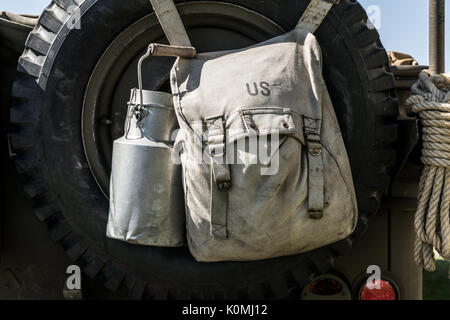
316 183
220 177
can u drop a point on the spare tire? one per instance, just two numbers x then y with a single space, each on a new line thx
70 101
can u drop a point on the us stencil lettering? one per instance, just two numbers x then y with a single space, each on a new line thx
262 88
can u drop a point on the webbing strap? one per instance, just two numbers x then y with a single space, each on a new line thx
314 14
170 20
316 187
220 177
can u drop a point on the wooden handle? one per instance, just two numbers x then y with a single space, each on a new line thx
163 50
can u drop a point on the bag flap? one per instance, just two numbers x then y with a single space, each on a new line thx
283 71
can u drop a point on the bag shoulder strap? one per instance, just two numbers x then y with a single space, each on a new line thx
314 14
170 20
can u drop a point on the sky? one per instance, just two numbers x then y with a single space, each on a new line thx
403 24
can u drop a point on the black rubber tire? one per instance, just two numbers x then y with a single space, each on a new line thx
46 114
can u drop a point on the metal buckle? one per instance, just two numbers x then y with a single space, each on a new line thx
316 215
314 148
224 186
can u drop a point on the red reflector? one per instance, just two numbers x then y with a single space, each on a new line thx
381 290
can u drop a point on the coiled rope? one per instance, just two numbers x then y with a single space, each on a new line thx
431 100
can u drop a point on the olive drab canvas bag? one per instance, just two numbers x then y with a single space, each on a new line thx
265 170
